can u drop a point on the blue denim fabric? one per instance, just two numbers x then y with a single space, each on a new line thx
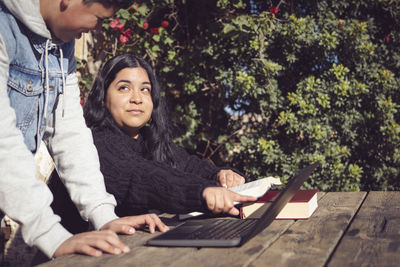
27 76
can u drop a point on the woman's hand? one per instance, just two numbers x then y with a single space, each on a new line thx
229 178
220 199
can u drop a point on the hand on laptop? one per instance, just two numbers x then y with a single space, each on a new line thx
228 178
220 199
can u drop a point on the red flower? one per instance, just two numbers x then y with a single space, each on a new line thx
82 102
273 10
145 25
387 38
137 5
154 30
114 23
121 26
123 39
127 33
164 24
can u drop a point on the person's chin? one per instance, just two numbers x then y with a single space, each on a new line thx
78 36
68 38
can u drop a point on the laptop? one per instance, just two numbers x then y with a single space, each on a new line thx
227 232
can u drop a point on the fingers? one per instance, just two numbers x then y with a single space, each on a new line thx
119 226
108 241
221 203
242 198
222 179
241 180
218 199
160 225
151 224
111 243
233 211
235 180
92 244
90 251
209 196
127 224
215 199
234 197
228 178
154 221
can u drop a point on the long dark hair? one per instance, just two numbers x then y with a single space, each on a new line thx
156 136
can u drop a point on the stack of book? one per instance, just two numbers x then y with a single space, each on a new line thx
301 206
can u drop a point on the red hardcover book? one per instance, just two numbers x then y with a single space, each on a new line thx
301 206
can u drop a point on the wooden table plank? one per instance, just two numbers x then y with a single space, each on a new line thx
283 243
158 256
373 238
311 242
141 255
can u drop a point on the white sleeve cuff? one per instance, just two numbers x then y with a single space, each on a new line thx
102 215
51 240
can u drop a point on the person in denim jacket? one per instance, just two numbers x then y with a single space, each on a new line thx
39 100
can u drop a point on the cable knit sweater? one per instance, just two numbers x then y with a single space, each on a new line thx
139 184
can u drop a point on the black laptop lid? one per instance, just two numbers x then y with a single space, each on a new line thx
284 197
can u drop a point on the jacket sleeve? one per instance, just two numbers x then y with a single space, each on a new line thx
140 184
23 197
70 143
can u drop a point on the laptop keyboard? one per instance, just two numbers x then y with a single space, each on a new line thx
224 229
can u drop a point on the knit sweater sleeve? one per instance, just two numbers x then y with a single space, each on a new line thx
194 164
139 184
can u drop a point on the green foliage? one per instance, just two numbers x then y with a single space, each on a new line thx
271 93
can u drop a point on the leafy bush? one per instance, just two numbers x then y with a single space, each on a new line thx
270 88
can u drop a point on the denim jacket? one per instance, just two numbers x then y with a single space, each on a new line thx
39 99
28 78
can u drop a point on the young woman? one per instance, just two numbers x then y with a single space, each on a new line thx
141 165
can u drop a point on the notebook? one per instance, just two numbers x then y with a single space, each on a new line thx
229 232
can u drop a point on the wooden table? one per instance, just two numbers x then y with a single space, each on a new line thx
348 229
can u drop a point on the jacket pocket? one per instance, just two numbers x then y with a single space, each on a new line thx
24 89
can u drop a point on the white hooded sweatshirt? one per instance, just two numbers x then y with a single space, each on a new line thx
23 197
